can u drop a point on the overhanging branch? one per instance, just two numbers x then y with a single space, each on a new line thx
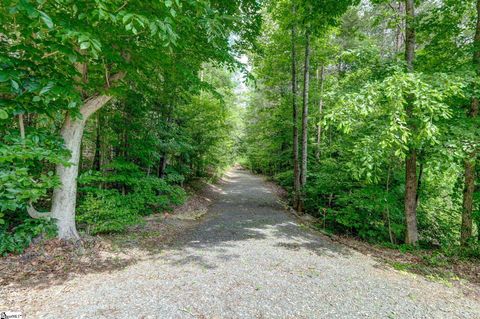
35 213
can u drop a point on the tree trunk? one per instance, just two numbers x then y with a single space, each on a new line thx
411 198
400 27
387 209
410 34
320 111
296 168
469 188
96 165
306 84
65 197
419 183
162 165
411 236
21 127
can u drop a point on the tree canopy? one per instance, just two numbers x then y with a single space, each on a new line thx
389 146
366 112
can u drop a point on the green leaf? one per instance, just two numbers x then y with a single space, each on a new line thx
84 45
83 38
127 17
96 44
3 77
72 58
46 19
15 85
3 115
46 88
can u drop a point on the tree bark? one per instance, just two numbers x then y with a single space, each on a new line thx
320 111
469 188
419 183
411 198
400 27
410 34
306 87
410 203
96 165
64 197
387 208
162 166
21 127
296 168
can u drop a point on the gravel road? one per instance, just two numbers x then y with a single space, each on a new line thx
249 258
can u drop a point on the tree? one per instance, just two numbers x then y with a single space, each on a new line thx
296 166
306 88
316 17
96 50
393 123
411 159
94 85
321 81
470 170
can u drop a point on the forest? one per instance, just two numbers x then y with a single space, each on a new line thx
109 107
366 112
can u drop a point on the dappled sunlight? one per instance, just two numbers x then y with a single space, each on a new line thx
248 214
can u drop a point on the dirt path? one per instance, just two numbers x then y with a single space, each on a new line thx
248 259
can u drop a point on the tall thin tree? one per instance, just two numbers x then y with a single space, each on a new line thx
306 88
321 79
411 159
469 187
296 168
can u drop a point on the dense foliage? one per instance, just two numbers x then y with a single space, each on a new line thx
369 114
132 98
366 111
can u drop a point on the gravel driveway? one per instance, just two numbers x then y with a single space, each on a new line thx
249 258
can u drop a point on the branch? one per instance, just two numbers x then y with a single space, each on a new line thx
115 78
93 104
96 102
35 213
46 55
21 126
82 68
123 6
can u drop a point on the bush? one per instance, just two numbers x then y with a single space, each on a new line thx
104 211
284 179
151 194
20 237
117 198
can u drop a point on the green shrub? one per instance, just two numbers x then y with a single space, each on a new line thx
21 180
469 252
16 239
117 198
104 211
284 179
151 194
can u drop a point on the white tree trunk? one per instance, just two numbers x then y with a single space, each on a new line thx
65 197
